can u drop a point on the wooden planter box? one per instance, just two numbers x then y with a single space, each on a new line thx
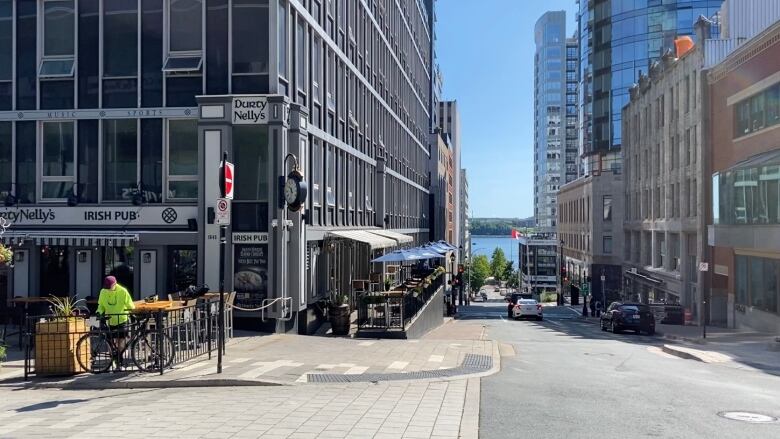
55 346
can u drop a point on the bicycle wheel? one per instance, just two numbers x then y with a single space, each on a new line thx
94 352
146 356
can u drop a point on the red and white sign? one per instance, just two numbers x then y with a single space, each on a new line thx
228 175
222 217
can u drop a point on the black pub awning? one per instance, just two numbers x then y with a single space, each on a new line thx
70 238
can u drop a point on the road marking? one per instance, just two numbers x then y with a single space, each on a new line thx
239 360
398 365
345 365
436 358
265 367
366 343
357 370
303 378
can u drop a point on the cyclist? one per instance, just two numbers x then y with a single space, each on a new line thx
115 302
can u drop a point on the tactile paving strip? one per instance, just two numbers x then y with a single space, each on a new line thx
472 363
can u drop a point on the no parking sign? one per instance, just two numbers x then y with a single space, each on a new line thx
222 216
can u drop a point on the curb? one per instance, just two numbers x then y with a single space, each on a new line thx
469 422
681 354
94 384
674 337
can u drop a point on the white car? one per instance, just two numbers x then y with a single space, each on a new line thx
527 308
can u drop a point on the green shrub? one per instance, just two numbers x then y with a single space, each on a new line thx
548 297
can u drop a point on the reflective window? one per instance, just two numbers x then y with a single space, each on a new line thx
186 18
250 37
217 47
6 158
607 207
281 24
58 160
25 162
151 159
183 159
250 153
120 34
120 159
300 55
6 40
58 27
88 42
88 161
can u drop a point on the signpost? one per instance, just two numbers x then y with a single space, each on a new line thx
704 267
226 177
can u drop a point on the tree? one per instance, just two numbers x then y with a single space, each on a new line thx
480 270
498 264
514 280
509 271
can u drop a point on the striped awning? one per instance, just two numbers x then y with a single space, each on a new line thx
83 239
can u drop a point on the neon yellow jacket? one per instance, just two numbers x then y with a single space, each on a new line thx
116 303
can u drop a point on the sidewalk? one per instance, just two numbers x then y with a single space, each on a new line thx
283 359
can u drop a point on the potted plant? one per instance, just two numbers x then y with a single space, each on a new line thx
339 311
2 355
56 338
6 255
388 284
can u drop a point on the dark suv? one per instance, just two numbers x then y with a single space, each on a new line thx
632 316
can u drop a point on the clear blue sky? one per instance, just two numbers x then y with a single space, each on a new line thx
486 50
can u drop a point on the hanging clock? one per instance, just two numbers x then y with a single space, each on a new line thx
295 190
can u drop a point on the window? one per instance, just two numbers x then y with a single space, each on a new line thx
120 159
88 161
151 159
251 151
58 160
317 168
316 68
185 18
6 158
282 33
58 39
183 159
250 46
330 175
757 112
607 245
6 40
300 56
120 34
607 207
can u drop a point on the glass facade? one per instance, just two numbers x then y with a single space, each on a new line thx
618 39
748 196
756 282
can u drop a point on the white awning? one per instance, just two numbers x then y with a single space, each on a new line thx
373 240
399 237
83 239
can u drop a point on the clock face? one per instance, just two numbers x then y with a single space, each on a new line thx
291 191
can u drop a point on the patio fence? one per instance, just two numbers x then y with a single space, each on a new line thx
183 333
393 311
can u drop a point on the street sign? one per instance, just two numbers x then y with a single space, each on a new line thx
227 176
222 216
704 266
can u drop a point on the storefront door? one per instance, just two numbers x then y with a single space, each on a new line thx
183 269
54 272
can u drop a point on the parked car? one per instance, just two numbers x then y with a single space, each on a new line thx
527 308
628 316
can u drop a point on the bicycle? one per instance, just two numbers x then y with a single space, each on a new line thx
103 349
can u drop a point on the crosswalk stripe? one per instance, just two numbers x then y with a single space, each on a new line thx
239 360
265 367
398 365
366 343
436 358
356 370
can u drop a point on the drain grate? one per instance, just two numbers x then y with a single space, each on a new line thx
753 418
472 363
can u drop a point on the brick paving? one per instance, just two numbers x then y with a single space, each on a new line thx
382 410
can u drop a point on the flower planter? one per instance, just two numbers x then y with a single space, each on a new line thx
55 346
339 319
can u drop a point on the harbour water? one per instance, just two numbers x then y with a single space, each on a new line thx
485 245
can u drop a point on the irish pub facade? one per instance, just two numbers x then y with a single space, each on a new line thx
114 115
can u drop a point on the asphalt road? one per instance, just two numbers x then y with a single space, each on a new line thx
569 379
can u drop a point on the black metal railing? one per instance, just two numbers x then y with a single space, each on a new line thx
179 334
393 310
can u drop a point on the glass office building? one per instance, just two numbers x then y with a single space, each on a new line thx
618 39
108 165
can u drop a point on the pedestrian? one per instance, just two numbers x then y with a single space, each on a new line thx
115 302
592 307
598 308
585 306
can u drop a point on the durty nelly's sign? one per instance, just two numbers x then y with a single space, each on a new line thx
250 110
97 216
